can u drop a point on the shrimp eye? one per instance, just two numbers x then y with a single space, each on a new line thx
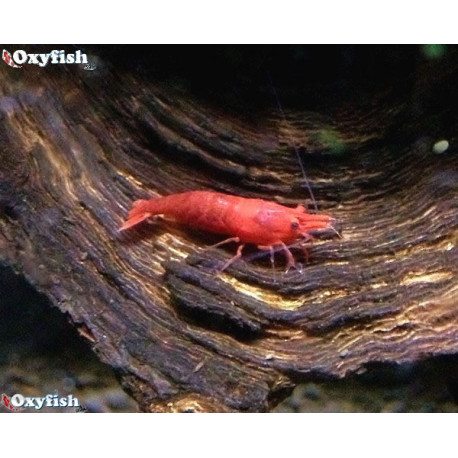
294 226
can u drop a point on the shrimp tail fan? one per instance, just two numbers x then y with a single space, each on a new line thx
139 212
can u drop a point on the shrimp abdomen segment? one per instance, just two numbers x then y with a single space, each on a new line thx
204 210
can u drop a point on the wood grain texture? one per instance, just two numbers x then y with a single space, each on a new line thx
78 147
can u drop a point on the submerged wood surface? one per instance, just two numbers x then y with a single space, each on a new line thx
78 147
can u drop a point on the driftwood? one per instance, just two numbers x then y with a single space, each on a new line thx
78 147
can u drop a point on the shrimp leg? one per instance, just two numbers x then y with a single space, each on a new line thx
233 259
305 248
290 261
223 242
272 262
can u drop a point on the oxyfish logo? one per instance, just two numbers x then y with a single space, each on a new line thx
19 402
20 57
6 56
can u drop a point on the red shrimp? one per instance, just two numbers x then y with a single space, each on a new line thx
261 222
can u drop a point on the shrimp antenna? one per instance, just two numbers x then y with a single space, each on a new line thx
335 230
296 149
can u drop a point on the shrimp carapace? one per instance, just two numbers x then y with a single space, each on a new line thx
261 222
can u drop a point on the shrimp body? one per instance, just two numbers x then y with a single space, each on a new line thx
257 221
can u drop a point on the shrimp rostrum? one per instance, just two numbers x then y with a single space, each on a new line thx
266 224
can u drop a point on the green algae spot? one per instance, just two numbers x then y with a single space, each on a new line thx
330 139
433 51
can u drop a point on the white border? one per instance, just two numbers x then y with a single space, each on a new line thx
235 21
